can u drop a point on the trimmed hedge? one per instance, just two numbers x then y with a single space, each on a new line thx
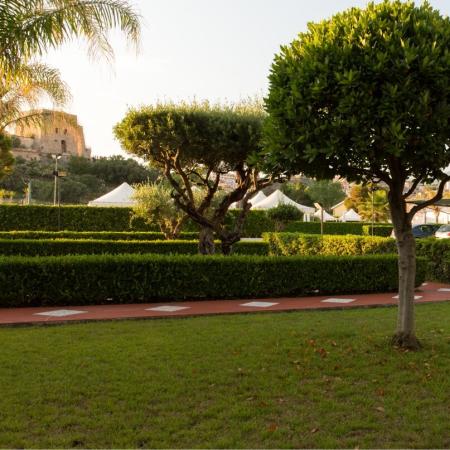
59 247
384 230
437 253
98 235
99 279
288 244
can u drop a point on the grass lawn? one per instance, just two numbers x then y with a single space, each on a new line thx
303 379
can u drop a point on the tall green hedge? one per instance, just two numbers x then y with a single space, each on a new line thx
57 247
84 218
288 244
99 279
437 253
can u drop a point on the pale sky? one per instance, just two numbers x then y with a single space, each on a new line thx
205 49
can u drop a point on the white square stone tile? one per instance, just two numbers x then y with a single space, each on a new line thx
338 300
424 284
444 290
416 297
259 304
167 308
60 313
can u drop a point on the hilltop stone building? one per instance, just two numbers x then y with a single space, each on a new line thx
57 133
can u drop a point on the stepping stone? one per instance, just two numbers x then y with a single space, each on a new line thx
416 297
168 308
338 300
444 290
424 284
259 304
60 313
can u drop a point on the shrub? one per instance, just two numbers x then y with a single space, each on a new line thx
284 213
56 247
328 227
383 230
288 244
437 253
98 235
83 280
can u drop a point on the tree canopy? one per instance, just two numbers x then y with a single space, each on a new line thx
195 145
366 95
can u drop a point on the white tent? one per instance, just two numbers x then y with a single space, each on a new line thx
350 216
326 217
120 196
278 198
259 197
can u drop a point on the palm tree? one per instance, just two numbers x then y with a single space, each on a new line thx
29 28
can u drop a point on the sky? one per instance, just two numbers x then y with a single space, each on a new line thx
219 50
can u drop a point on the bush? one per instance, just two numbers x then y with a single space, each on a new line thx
73 218
83 280
437 253
284 213
57 247
288 244
328 227
383 230
98 235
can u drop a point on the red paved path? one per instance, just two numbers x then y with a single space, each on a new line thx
13 316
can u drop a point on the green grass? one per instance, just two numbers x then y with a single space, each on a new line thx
303 379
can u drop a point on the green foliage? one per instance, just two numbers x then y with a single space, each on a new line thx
194 145
328 227
97 235
361 90
73 218
288 244
378 230
326 192
97 279
60 247
155 205
284 213
298 192
6 158
437 253
86 179
256 222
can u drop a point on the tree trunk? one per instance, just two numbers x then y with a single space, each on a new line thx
405 336
206 241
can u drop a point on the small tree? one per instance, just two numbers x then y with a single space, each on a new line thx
326 192
366 95
195 146
154 204
282 214
6 157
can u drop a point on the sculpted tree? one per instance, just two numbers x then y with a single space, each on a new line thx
195 146
366 95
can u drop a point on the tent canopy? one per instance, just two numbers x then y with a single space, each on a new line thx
278 198
120 196
259 197
326 217
350 216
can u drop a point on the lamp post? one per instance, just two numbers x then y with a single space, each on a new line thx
320 208
55 173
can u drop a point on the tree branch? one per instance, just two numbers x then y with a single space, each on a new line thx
432 200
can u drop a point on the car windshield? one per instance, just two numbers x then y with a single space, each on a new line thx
444 228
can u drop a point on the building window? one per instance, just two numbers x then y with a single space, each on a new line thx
56 130
63 147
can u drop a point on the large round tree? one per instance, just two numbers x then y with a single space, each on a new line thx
366 95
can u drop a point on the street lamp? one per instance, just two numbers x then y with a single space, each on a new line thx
320 208
55 173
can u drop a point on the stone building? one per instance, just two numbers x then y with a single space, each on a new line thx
56 133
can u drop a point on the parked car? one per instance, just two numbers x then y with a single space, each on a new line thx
443 232
424 230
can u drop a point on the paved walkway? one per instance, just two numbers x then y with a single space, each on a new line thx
427 293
